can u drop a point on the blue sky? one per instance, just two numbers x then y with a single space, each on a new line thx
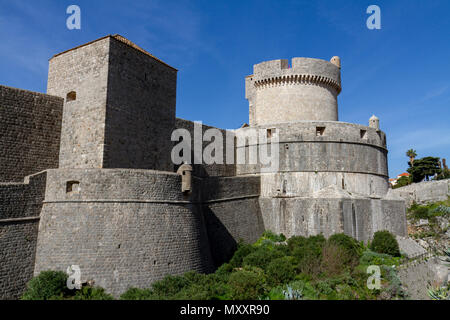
399 73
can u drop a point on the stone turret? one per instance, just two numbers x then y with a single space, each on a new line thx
306 90
374 122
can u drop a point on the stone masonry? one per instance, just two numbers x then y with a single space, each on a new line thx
111 200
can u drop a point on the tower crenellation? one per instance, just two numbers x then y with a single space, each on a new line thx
305 90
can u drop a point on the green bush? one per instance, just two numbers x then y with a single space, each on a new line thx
208 287
304 247
280 271
349 244
138 294
374 258
169 286
247 284
268 237
242 251
92 293
47 285
261 258
385 242
308 253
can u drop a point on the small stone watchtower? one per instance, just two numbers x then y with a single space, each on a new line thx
307 90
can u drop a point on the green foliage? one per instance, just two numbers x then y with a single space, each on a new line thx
170 286
439 293
276 293
441 210
247 284
394 288
411 153
92 293
281 270
276 269
445 174
242 251
269 237
292 294
349 244
48 285
402 181
385 242
52 285
305 288
429 211
424 168
374 258
261 258
138 294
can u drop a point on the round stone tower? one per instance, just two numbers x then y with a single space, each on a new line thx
306 90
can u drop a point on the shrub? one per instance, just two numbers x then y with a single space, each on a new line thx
203 287
261 258
280 271
47 285
374 258
304 247
138 294
92 293
349 244
268 237
308 253
385 242
247 284
242 251
169 286
276 293
336 259
420 212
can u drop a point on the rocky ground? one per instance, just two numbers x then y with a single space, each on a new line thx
425 267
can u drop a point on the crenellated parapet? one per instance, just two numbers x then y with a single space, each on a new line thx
305 90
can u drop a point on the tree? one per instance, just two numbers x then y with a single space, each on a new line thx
402 181
411 153
425 168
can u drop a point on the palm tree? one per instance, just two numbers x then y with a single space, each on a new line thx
411 153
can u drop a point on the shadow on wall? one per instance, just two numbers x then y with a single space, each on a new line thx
229 217
221 241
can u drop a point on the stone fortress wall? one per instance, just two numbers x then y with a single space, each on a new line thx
20 208
122 227
332 176
30 129
423 192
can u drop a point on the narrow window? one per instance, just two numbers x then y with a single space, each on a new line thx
73 187
270 133
320 131
363 134
71 96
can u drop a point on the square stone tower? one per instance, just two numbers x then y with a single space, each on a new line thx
119 109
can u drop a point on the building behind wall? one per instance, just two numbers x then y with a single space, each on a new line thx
107 197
